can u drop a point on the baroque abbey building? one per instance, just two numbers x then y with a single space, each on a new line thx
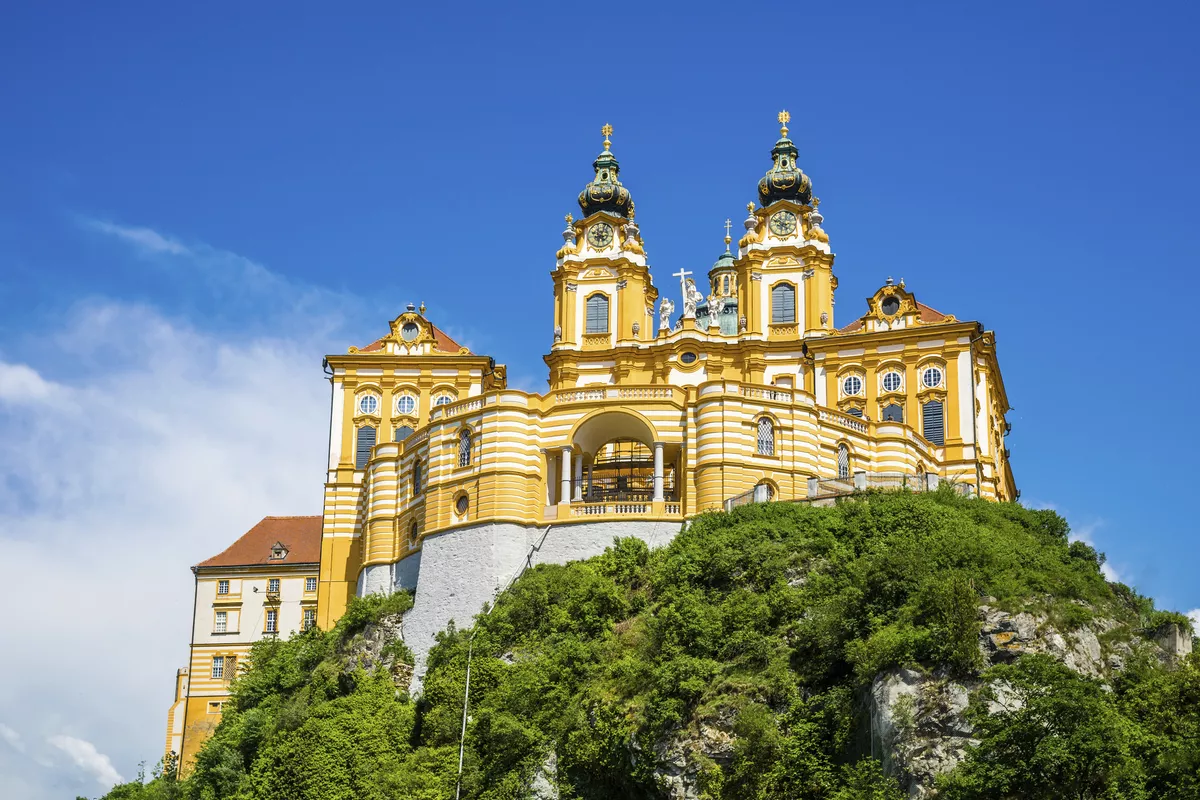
662 404
657 408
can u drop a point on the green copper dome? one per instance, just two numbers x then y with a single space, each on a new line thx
605 192
784 181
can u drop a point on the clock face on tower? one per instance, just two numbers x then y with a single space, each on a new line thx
783 223
600 235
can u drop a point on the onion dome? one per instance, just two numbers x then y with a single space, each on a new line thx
784 181
605 192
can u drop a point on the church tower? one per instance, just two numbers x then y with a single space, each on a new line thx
603 294
785 264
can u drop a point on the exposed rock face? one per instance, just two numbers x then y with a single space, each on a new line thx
683 759
1005 636
918 726
544 786
369 649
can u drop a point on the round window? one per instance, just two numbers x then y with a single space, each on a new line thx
409 331
688 358
891 382
368 404
406 404
462 504
852 385
932 377
444 400
890 305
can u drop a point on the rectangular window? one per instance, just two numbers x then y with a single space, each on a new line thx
272 621
363 445
932 424
310 584
221 620
214 706
218 667
310 618
272 585
597 314
222 587
783 303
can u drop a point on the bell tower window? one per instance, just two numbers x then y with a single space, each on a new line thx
597 314
783 303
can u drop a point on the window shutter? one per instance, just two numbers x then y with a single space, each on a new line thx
401 433
783 303
597 314
366 440
932 423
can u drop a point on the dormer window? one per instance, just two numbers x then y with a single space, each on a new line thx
890 305
278 552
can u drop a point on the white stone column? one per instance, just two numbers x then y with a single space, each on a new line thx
578 496
658 472
564 495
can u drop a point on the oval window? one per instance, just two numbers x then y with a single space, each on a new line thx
406 404
932 377
891 382
688 358
462 504
409 331
891 305
368 404
852 385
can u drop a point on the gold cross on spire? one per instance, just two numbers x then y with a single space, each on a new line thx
784 119
728 238
607 131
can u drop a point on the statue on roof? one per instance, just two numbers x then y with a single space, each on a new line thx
665 310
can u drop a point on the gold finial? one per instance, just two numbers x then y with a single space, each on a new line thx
750 207
569 219
607 131
632 211
784 119
816 202
728 238
422 308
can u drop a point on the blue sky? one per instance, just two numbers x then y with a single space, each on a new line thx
198 201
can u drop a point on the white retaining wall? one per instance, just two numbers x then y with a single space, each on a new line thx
457 572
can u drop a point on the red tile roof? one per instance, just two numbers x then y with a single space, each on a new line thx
300 535
442 341
927 315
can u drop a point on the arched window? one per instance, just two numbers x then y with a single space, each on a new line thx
364 441
893 412
401 433
444 400
843 461
933 425
783 303
725 284
416 477
597 314
766 437
464 448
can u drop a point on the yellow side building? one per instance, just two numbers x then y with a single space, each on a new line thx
263 585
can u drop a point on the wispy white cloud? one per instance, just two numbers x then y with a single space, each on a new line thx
1194 616
114 479
12 737
1086 533
88 758
147 240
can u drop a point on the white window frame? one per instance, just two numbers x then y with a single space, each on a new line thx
466 444
401 403
858 389
883 382
273 585
365 399
223 586
765 437
308 618
272 621
941 373
221 622
587 315
310 581
444 399
218 668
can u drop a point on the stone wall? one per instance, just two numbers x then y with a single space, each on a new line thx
458 571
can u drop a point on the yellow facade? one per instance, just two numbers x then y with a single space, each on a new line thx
653 418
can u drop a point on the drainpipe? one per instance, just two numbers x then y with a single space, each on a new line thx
974 413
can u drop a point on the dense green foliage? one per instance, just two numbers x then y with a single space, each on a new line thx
768 623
